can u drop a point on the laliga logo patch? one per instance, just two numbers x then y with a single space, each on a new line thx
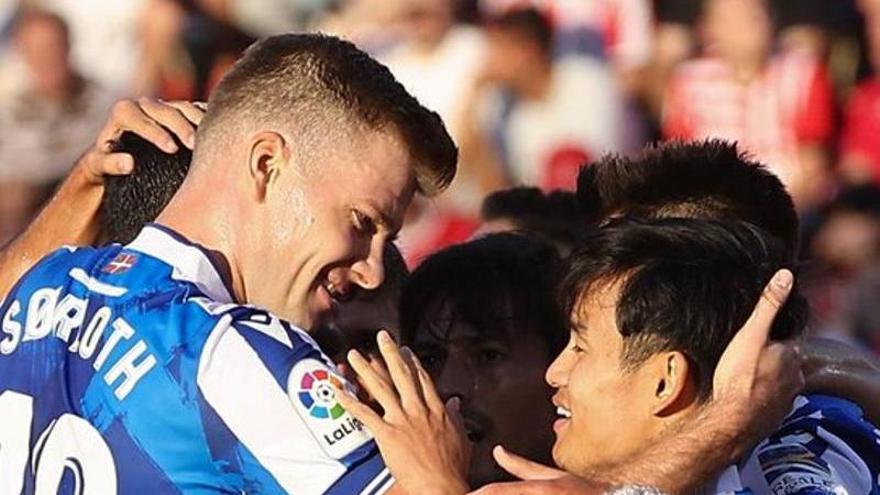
317 395
310 385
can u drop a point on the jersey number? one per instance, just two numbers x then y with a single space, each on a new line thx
69 444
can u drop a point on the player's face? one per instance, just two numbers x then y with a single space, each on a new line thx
341 212
601 419
498 376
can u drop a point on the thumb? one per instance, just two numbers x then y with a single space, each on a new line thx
523 468
744 349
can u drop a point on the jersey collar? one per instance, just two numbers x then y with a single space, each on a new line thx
189 261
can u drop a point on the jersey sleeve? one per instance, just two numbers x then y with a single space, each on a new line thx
271 412
825 447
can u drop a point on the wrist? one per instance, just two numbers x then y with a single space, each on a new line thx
727 427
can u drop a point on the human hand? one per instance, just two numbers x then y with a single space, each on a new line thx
755 381
153 120
422 441
536 479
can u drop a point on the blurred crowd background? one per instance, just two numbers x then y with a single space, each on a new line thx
530 90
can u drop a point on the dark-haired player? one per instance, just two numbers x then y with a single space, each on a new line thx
714 179
131 201
653 306
483 319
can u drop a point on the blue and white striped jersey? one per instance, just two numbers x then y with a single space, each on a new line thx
130 370
824 447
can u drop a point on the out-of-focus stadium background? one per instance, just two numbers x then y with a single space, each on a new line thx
529 95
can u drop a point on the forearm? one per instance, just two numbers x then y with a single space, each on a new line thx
70 217
683 461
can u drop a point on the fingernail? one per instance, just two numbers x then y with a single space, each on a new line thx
354 355
191 141
125 166
384 337
407 352
454 403
170 146
783 279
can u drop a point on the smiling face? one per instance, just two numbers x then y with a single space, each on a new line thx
341 211
605 412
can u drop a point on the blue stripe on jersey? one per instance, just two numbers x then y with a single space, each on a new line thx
161 432
360 475
839 417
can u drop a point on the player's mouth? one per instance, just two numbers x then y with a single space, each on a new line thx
338 292
563 415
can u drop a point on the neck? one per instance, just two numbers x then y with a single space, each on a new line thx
207 225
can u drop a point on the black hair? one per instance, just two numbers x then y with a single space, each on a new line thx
708 179
556 217
499 283
131 201
527 22
686 285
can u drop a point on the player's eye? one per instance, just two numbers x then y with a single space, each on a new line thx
362 222
489 356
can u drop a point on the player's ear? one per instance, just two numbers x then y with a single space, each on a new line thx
674 388
268 157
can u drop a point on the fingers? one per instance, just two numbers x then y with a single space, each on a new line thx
378 387
738 364
359 410
129 116
193 111
401 374
171 118
753 335
453 412
523 468
429 391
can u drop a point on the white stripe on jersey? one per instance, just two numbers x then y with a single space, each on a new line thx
236 383
96 286
380 484
190 263
846 464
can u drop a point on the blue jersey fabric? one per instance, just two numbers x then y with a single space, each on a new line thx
131 370
824 447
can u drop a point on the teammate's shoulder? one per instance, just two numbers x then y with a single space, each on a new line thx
247 319
65 262
824 445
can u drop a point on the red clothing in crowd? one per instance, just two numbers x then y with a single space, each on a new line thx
862 127
789 105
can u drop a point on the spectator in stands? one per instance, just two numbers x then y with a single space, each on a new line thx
778 106
619 31
845 269
860 148
47 122
437 61
546 116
